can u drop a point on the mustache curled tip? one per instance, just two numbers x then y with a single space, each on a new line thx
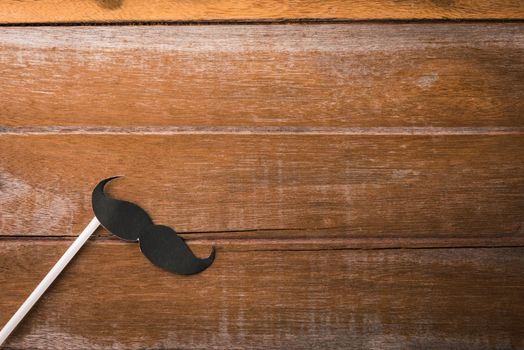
121 218
160 244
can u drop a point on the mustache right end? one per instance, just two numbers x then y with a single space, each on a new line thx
165 249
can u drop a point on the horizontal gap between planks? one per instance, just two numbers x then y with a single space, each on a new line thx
384 248
233 130
265 21
252 247
305 244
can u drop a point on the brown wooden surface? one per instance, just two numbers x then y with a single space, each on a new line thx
451 186
342 75
111 297
24 11
363 182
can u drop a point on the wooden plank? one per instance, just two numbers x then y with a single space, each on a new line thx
302 186
324 75
15 11
111 297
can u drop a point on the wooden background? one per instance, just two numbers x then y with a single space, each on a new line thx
359 167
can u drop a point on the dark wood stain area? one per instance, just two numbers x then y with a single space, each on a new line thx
362 181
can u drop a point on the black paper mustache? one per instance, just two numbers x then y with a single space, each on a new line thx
160 244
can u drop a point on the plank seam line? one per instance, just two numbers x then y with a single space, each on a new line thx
264 21
382 248
236 130
327 247
193 236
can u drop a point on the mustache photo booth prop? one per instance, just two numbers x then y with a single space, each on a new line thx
160 244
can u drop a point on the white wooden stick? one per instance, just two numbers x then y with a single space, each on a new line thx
48 279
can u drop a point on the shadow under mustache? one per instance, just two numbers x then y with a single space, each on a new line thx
160 244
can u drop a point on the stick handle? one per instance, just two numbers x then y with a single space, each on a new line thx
48 279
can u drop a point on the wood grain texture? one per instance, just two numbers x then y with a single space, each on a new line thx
324 75
357 186
16 11
111 297
304 152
